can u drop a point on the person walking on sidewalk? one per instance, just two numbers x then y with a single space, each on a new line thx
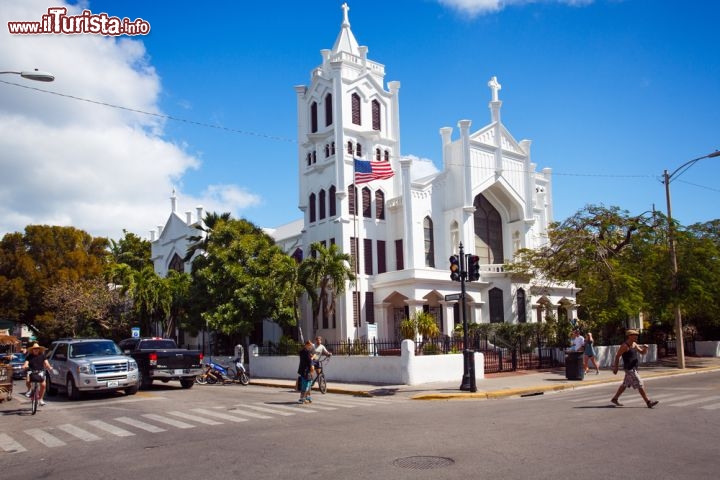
305 372
589 353
629 352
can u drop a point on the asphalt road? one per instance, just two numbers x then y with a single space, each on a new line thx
259 433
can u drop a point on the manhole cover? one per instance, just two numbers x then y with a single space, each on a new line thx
423 463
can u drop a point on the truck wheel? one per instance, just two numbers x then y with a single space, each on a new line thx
72 392
187 382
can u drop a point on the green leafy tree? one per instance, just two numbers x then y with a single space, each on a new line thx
131 250
205 228
324 275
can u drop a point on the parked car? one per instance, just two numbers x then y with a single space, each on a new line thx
161 359
17 360
90 365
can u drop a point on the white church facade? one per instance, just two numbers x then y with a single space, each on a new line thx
401 230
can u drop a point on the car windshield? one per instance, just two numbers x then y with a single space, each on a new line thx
93 349
18 358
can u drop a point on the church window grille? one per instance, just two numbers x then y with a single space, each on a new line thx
375 115
366 203
311 201
521 306
321 203
328 110
353 253
488 232
356 308
358 150
387 155
497 310
352 199
369 307
378 154
429 242
355 102
350 149
177 264
313 117
332 200
399 259
379 205
382 263
368 256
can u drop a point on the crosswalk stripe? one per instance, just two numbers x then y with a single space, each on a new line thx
141 425
78 432
270 410
336 403
671 401
194 418
224 416
697 400
45 438
8 444
317 406
714 406
168 421
239 411
294 408
120 432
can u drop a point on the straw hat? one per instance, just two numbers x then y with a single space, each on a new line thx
631 332
35 345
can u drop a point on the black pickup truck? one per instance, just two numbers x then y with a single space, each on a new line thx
161 359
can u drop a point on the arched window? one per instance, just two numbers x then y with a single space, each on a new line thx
454 236
429 242
314 156
350 148
331 198
378 154
379 205
497 313
488 231
375 115
309 159
321 203
387 155
358 150
177 264
355 106
327 150
313 117
366 203
328 109
352 199
521 306
332 148
311 202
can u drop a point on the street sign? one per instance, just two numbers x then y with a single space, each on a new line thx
135 332
454 296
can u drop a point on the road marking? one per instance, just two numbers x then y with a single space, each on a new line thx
270 410
168 421
141 425
45 438
78 432
224 416
194 418
714 406
295 408
110 428
334 402
675 399
238 411
8 444
697 400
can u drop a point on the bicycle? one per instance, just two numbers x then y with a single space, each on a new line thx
36 379
320 377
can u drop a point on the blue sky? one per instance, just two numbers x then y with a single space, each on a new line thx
610 92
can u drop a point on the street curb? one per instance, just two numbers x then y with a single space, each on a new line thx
291 386
537 390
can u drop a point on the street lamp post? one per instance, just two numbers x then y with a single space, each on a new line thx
667 178
36 75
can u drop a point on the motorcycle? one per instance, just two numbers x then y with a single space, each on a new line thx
214 373
239 374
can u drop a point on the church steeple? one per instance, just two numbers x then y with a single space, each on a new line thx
345 41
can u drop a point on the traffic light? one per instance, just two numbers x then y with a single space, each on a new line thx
473 268
454 268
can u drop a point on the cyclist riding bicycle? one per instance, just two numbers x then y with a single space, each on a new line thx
319 351
36 361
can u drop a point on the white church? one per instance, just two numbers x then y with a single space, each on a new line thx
401 230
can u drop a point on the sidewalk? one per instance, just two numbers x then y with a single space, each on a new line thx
496 385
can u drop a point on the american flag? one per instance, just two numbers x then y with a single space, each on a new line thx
367 171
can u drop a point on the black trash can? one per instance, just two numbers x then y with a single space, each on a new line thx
574 369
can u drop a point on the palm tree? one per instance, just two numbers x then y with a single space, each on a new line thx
200 241
324 274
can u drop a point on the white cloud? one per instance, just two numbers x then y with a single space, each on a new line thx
421 167
481 7
69 162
